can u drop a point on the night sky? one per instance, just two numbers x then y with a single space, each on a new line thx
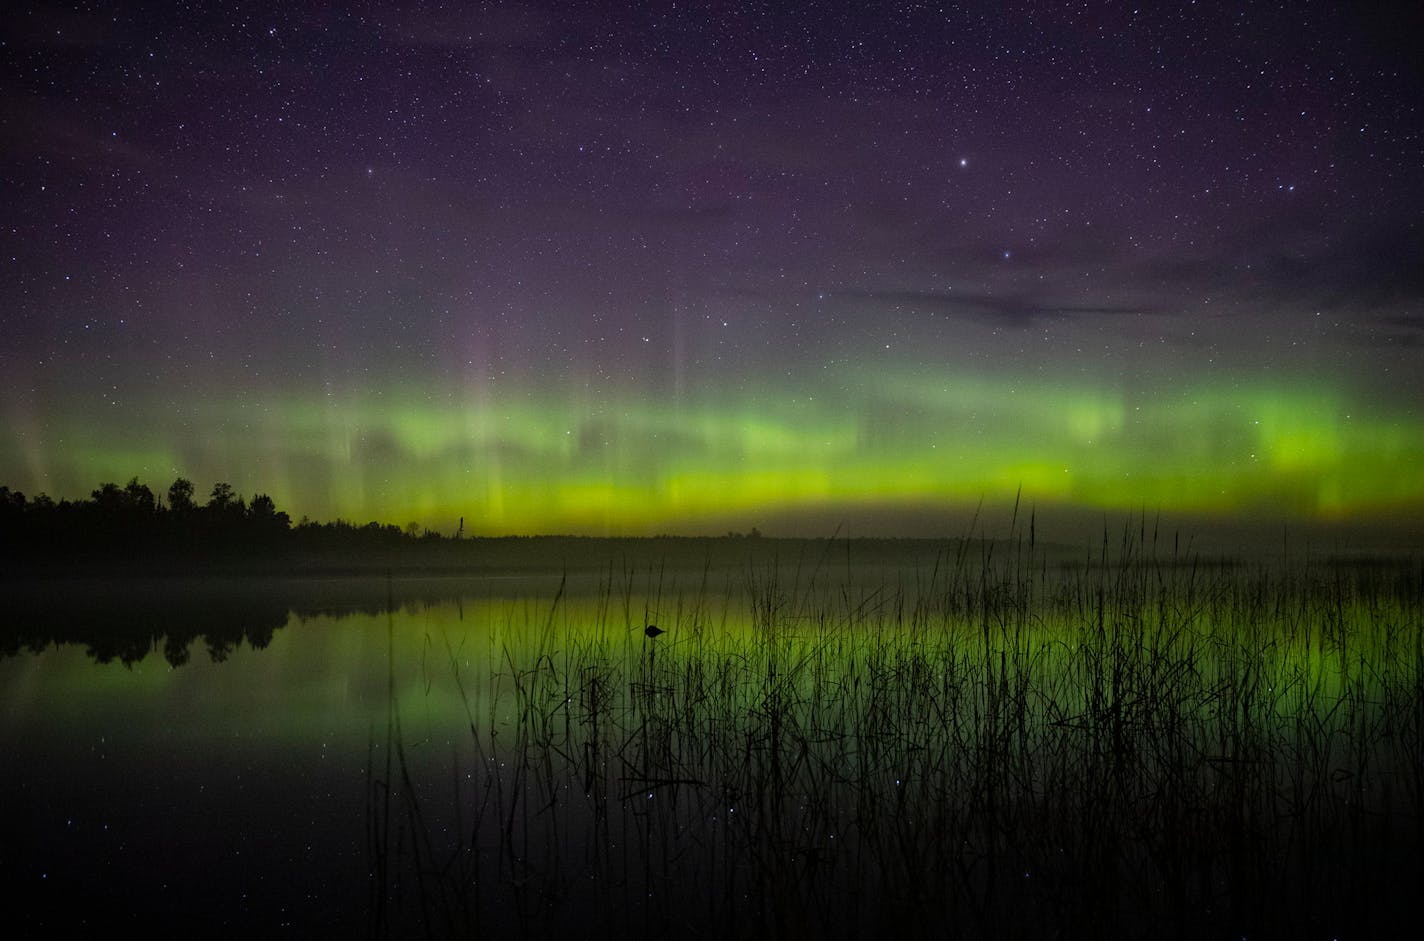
602 268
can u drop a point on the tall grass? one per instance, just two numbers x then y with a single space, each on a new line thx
1134 744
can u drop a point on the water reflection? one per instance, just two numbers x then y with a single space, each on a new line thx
795 755
126 622
185 754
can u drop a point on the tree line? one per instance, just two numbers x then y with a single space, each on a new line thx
132 521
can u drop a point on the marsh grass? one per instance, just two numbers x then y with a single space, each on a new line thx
1131 745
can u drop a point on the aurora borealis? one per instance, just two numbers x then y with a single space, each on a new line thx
595 269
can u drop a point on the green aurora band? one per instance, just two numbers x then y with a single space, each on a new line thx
555 462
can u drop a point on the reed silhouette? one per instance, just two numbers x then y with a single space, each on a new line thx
989 747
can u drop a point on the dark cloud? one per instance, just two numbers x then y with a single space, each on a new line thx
1383 263
1301 258
1009 309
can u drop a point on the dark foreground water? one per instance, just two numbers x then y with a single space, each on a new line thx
937 755
247 755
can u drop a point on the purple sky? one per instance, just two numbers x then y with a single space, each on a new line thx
217 215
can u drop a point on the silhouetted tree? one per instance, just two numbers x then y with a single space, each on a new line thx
108 498
265 521
119 518
14 520
180 495
222 498
175 650
129 526
225 509
12 501
140 499
218 648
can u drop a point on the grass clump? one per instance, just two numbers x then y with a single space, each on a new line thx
1129 745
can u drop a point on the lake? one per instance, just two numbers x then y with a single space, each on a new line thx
962 745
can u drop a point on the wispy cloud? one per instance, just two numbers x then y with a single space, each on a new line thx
1012 309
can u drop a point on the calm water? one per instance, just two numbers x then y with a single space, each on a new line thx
214 754
796 755
230 790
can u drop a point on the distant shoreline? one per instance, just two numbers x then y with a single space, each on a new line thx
526 556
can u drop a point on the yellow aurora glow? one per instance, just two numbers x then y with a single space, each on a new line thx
549 461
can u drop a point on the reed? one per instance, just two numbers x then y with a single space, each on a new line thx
1136 743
